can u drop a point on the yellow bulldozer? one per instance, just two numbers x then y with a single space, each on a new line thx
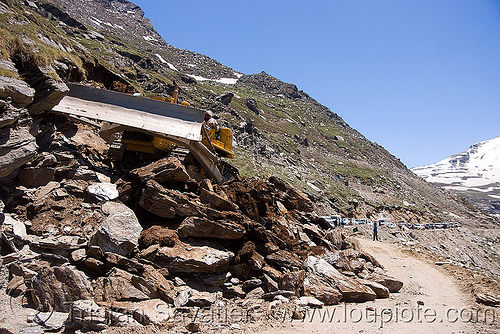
153 125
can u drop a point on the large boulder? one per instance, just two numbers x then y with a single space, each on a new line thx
120 231
17 145
391 283
293 198
124 286
185 258
283 258
164 170
18 91
49 89
379 289
351 290
168 203
54 288
320 288
205 228
103 191
33 177
217 201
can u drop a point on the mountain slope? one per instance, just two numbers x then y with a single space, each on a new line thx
285 132
475 172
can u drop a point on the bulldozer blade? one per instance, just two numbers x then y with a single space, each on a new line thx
175 121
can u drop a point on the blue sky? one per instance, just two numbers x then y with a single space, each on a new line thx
421 78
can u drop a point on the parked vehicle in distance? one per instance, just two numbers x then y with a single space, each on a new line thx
384 221
333 220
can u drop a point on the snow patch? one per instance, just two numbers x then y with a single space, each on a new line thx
313 187
227 81
171 66
95 21
149 38
100 23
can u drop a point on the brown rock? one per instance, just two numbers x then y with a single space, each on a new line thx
391 283
293 198
271 272
370 258
201 298
379 289
293 281
270 284
16 286
487 300
168 203
18 269
33 177
233 291
95 265
217 201
273 294
336 238
352 291
158 235
283 258
164 170
256 261
205 228
252 284
319 288
193 259
95 252
130 265
158 283
56 287
256 293
119 286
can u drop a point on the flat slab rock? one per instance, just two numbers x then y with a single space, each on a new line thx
487 300
186 258
207 228
351 290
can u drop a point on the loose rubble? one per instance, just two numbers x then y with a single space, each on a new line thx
92 243
142 245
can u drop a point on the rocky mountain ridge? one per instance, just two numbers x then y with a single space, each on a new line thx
279 130
94 243
474 173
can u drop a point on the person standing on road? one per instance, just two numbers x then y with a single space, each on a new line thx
375 231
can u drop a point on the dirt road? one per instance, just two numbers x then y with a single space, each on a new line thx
429 302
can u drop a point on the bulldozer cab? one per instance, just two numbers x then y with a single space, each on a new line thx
221 141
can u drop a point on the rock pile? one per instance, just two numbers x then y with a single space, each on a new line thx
104 244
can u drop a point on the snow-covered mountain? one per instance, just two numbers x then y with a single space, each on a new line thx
475 171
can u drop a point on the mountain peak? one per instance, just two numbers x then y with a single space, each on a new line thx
475 171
